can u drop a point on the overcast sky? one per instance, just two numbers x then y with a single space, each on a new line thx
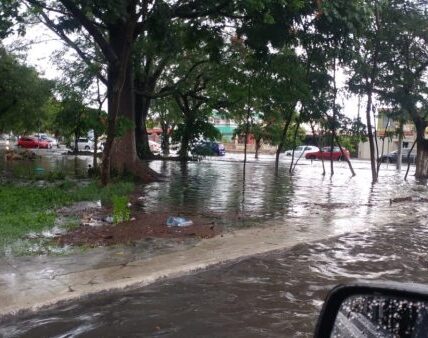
44 43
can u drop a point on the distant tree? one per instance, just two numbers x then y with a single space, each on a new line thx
366 64
404 77
24 96
351 133
338 24
74 119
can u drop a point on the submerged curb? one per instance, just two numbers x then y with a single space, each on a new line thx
44 292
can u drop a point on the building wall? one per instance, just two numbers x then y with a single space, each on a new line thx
388 146
225 126
389 143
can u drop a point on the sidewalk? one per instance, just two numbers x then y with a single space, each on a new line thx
28 283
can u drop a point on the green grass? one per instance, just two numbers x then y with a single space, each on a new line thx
25 209
121 212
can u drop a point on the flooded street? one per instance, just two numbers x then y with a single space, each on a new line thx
47 160
274 295
278 294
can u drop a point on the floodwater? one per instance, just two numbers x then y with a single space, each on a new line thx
47 160
271 295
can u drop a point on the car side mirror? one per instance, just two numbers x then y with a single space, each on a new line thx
375 310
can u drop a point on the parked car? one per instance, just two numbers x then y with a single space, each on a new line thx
208 148
326 154
7 139
53 141
84 143
33 142
393 155
301 151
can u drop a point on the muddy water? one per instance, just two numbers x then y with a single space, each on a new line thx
273 295
338 201
47 160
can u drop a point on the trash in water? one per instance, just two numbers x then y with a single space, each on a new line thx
109 219
178 222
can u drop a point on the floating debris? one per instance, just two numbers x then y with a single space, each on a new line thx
178 222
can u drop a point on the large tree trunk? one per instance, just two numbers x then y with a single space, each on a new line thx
142 106
422 160
422 151
124 158
185 140
120 153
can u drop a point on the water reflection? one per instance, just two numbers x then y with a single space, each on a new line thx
47 160
217 187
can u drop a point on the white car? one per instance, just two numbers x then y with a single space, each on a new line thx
6 139
301 151
84 143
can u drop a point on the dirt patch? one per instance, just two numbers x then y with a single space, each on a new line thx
144 226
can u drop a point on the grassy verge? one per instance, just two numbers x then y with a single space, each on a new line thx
25 209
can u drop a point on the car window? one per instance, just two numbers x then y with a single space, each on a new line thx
300 148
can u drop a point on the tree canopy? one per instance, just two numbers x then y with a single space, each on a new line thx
24 95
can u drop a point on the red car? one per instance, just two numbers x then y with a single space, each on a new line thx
326 154
33 142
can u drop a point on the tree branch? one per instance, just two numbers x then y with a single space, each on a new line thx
51 25
92 30
190 11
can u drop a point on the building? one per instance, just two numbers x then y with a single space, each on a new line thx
225 126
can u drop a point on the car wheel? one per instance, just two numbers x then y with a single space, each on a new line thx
87 148
311 157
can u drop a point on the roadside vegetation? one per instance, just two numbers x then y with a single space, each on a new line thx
29 208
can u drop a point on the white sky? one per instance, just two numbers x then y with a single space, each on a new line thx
45 43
